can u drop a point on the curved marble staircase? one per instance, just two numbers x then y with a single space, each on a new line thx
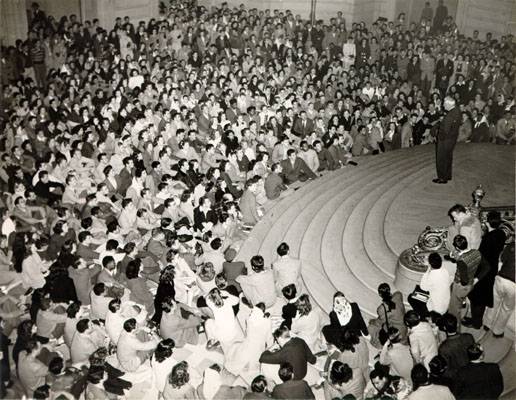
341 225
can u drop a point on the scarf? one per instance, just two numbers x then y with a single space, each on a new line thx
344 313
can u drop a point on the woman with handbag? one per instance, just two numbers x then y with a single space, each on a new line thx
390 315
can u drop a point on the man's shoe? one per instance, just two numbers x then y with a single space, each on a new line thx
437 180
352 163
501 335
468 323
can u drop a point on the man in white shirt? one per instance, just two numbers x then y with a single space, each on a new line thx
130 348
423 344
118 314
85 342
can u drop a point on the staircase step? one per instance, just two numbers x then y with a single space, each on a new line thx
353 242
373 230
332 256
297 211
252 244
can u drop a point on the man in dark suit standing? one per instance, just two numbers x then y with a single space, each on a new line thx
294 168
478 379
446 139
303 126
125 177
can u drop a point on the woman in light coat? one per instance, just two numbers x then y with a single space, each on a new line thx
307 324
224 327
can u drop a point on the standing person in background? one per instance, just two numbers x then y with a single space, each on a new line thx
465 224
470 269
504 290
482 294
37 56
427 14
441 13
446 139
427 65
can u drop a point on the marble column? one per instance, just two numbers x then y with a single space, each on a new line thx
13 21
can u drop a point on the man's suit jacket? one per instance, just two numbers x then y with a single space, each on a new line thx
455 350
449 126
478 381
273 186
231 114
296 352
303 130
200 217
124 180
292 173
294 389
203 124
444 70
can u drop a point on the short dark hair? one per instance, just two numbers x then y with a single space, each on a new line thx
437 365
475 351
259 384
411 318
419 375
435 260
460 242
42 392
257 263
456 208
282 249
133 269
286 371
289 291
494 218
216 243
449 323
56 365
99 288
82 325
130 325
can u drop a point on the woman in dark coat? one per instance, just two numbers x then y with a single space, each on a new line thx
344 316
166 290
482 294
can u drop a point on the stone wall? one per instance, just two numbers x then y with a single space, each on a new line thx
13 21
495 16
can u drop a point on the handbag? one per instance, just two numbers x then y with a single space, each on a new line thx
383 335
420 294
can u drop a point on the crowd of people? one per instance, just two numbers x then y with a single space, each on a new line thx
136 159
